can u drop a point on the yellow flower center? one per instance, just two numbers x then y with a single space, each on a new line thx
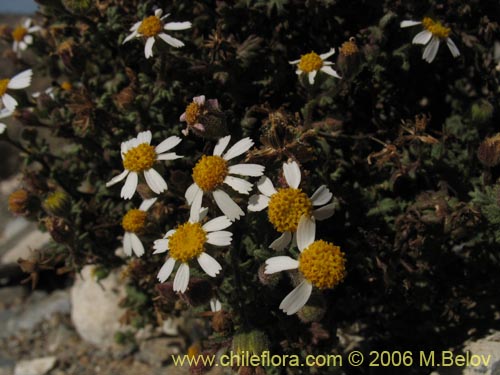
310 62
139 158
349 48
134 221
193 110
188 242
19 33
436 28
322 264
150 26
3 86
286 207
66 86
210 172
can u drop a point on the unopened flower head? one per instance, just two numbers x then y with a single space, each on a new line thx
133 223
321 264
153 27
19 81
432 35
188 242
286 206
139 157
211 172
312 63
22 37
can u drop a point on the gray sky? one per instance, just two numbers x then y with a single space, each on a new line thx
17 6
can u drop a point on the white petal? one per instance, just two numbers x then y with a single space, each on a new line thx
147 203
238 148
34 29
158 12
227 205
253 170
137 245
166 270
128 189
280 263
220 238
160 246
9 102
144 137
28 39
191 193
181 280
21 80
294 62
169 233
203 214
221 145
281 242
127 244
27 23
257 202
177 25
148 47
311 76
168 144
215 305
155 181
130 36
431 50
408 23
117 179
238 184
209 264
324 212
196 217
266 186
321 196
5 113
330 71
326 55
169 156
171 40
23 46
422 37
306 232
200 100
194 214
219 223
452 47
2 127
292 174
297 298
135 26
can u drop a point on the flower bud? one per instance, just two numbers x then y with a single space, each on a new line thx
488 152
221 321
253 342
21 202
57 203
482 111
309 314
58 229
349 58
267 279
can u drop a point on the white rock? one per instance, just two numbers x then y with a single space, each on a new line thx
39 366
24 244
95 311
488 346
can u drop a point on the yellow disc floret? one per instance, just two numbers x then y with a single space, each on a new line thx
66 86
3 86
193 111
349 48
310 62
19 33
436 28
150 26
139 158
286 207
188 242
134 221
322 264
210 172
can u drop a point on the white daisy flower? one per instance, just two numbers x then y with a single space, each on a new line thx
19 81
320 264
152 27
312 63
3 114
215 305
287 206
187 242
432 35
211 172
139 156
22 36
134 223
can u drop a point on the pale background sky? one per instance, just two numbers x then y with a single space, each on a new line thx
17 6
